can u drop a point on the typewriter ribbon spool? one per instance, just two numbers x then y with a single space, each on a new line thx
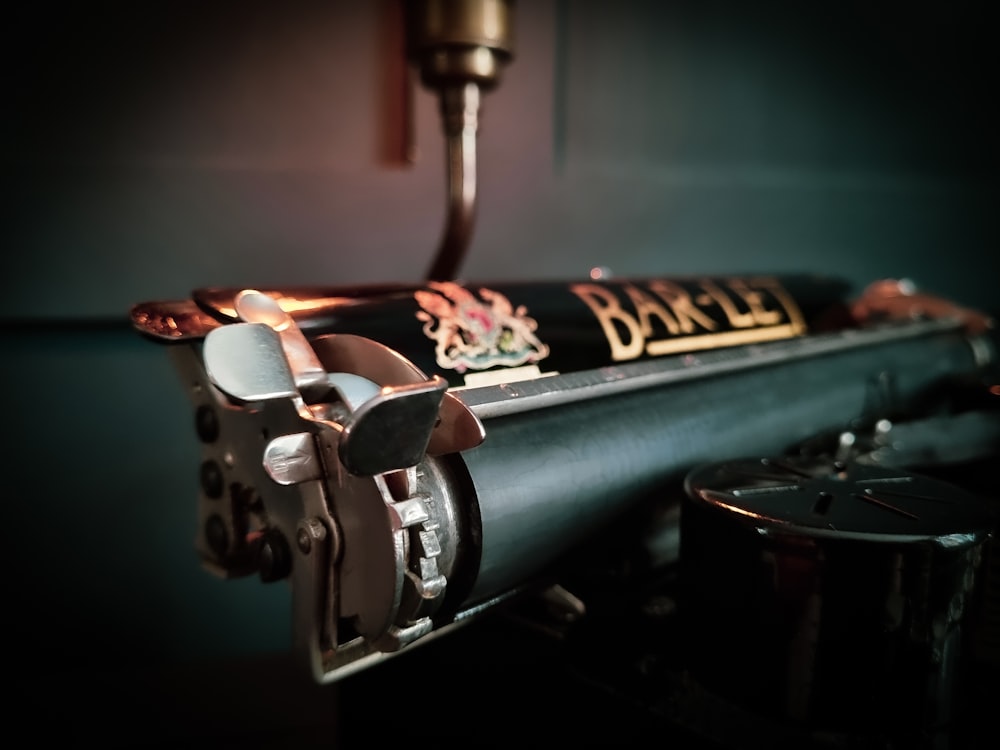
831 597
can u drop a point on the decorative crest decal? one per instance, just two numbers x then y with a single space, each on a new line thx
477 333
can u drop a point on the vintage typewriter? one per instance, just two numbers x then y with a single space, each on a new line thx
722 511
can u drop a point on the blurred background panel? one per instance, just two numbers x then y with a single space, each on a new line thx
151 148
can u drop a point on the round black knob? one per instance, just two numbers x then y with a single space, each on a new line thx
274 558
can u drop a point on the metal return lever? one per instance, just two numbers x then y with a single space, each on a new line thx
345 433
382 427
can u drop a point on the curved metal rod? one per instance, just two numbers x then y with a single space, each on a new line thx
460 113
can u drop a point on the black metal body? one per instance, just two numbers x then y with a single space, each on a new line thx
578 325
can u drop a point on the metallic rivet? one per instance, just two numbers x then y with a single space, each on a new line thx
310 530
304 541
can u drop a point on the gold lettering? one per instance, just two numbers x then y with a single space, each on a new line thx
735 317
687 314
790 306
755 301
629 332
715 340
646 307
609 311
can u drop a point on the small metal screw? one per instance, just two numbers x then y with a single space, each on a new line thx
311 529
304 541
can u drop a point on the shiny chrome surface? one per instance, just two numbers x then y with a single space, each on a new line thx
307 371
457 428
375 550
247 363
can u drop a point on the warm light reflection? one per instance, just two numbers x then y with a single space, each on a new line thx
719 499
493 20
599 272
725 338
295 304
742 511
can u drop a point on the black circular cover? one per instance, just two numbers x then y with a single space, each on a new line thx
820 497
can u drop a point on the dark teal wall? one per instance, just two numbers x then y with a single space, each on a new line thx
150 149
